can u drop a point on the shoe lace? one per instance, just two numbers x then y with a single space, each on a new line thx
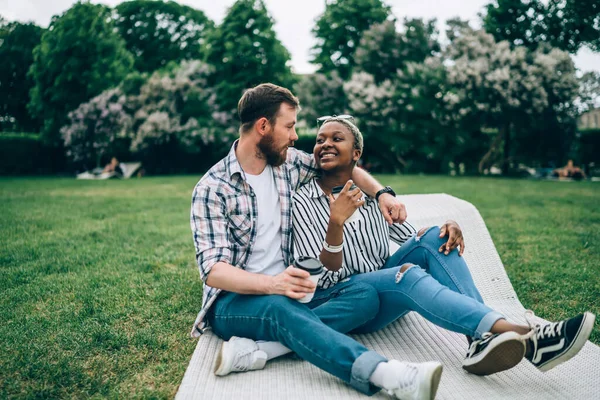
533 326
407 380
541 332
529 318
243 361
550 330
473 346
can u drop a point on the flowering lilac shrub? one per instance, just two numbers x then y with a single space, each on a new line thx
179 107
526 96
172 112
94 127
447 109
320 95
491 78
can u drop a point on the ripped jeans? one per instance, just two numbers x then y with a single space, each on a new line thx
439 287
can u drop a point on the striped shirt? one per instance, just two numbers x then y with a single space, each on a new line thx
366 241
224 215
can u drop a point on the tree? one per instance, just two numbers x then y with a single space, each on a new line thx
246 52
174 107
455 27
550 136
93 128
339 31
582 19
166 119
17 41
383 50
379 52
589 91
320 95
406 123
79 56
157 32
563 24
425 135
420 39
515 91
371 103
176 121
516 21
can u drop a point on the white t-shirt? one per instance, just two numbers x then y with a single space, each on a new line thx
266 257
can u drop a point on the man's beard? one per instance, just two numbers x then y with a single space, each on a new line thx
274 157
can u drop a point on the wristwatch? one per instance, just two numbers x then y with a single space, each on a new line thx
386 189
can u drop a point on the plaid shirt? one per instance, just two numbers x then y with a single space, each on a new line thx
224 215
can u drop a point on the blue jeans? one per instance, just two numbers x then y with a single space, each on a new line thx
439 287
314 331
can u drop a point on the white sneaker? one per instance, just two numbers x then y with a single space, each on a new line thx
239 355
416 381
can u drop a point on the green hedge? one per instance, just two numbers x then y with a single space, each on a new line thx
25 154
305 142
589 146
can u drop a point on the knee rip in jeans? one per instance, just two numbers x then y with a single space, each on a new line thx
419 237
402 271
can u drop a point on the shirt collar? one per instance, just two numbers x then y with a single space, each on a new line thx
232 164
313 189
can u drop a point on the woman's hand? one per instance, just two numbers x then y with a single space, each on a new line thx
455 238
345 204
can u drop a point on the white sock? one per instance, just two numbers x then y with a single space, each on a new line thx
273 349
383 376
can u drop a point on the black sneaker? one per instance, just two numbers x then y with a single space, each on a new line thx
557 342
494 353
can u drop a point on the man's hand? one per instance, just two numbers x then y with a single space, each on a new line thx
455 238
393 210
293 283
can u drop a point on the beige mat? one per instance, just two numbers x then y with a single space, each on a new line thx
413 339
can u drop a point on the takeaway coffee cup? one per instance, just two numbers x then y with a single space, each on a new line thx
314 267
335 192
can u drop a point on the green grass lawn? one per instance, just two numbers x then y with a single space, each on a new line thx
100 288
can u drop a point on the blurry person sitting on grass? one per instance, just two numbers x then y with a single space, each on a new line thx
569 171
113 166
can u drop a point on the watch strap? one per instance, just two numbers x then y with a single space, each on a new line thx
386 189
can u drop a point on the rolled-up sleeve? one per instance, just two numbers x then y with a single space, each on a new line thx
304 165
209 228
400 233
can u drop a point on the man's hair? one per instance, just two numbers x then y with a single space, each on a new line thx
261 101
